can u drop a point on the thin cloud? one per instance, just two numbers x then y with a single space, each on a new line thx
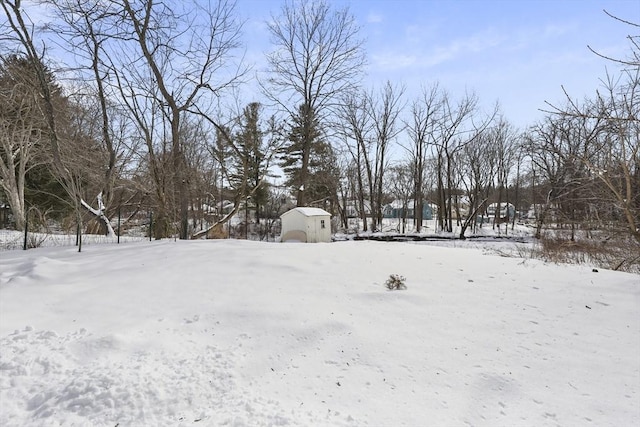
557 30
529 36
374 18
458 48
422 33
393 61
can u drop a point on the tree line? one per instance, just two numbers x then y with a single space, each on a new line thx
142 119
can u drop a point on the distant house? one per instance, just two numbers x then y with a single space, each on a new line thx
395 210
352 209
507 210
310 225
5 215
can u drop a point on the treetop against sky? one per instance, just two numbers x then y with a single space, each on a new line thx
519 53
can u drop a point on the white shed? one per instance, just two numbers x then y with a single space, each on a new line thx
311 225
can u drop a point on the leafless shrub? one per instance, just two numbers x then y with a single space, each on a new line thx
395 282
10 240
616 251
614 254
36 240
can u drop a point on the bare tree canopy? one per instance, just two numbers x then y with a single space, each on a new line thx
634 40
318 57
137 104
318 54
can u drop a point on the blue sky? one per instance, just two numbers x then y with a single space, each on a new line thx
516 52
519 52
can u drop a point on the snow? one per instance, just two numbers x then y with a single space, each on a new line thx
240 333
306 211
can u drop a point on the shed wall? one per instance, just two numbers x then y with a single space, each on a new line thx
311 226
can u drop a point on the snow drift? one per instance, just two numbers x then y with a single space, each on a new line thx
259 334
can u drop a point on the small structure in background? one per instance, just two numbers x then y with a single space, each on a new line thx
396 209
309 225
507 211
5 215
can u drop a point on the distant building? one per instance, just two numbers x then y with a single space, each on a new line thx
303 224
395 210
507 210
5 215
352 208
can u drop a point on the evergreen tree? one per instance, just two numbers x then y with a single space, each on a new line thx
309 161
324 175
250 165
304 139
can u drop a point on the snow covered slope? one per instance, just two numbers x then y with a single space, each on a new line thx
258 334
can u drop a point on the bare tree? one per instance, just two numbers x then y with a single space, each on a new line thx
456 128
245 152
503 137
201 169
559 148
183 75
317 58
86 28
478 169
619 168
357 129
400 184
547 169
345 187
609 126
422 129
384 110
634 60
164 63
612 155
19 31
370 122
21 131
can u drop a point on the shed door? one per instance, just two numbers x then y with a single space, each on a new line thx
321 229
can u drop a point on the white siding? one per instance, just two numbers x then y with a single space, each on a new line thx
306 224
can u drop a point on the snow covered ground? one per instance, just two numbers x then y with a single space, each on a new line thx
240 333
14 240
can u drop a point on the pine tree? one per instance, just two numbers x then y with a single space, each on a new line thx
250 163
324 174
309 161
304 138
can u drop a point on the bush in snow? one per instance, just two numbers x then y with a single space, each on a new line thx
395 282
35 240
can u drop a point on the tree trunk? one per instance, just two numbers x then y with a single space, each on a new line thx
14 191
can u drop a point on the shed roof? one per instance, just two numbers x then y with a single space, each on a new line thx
309 211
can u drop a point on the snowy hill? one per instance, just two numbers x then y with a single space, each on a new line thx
258 334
